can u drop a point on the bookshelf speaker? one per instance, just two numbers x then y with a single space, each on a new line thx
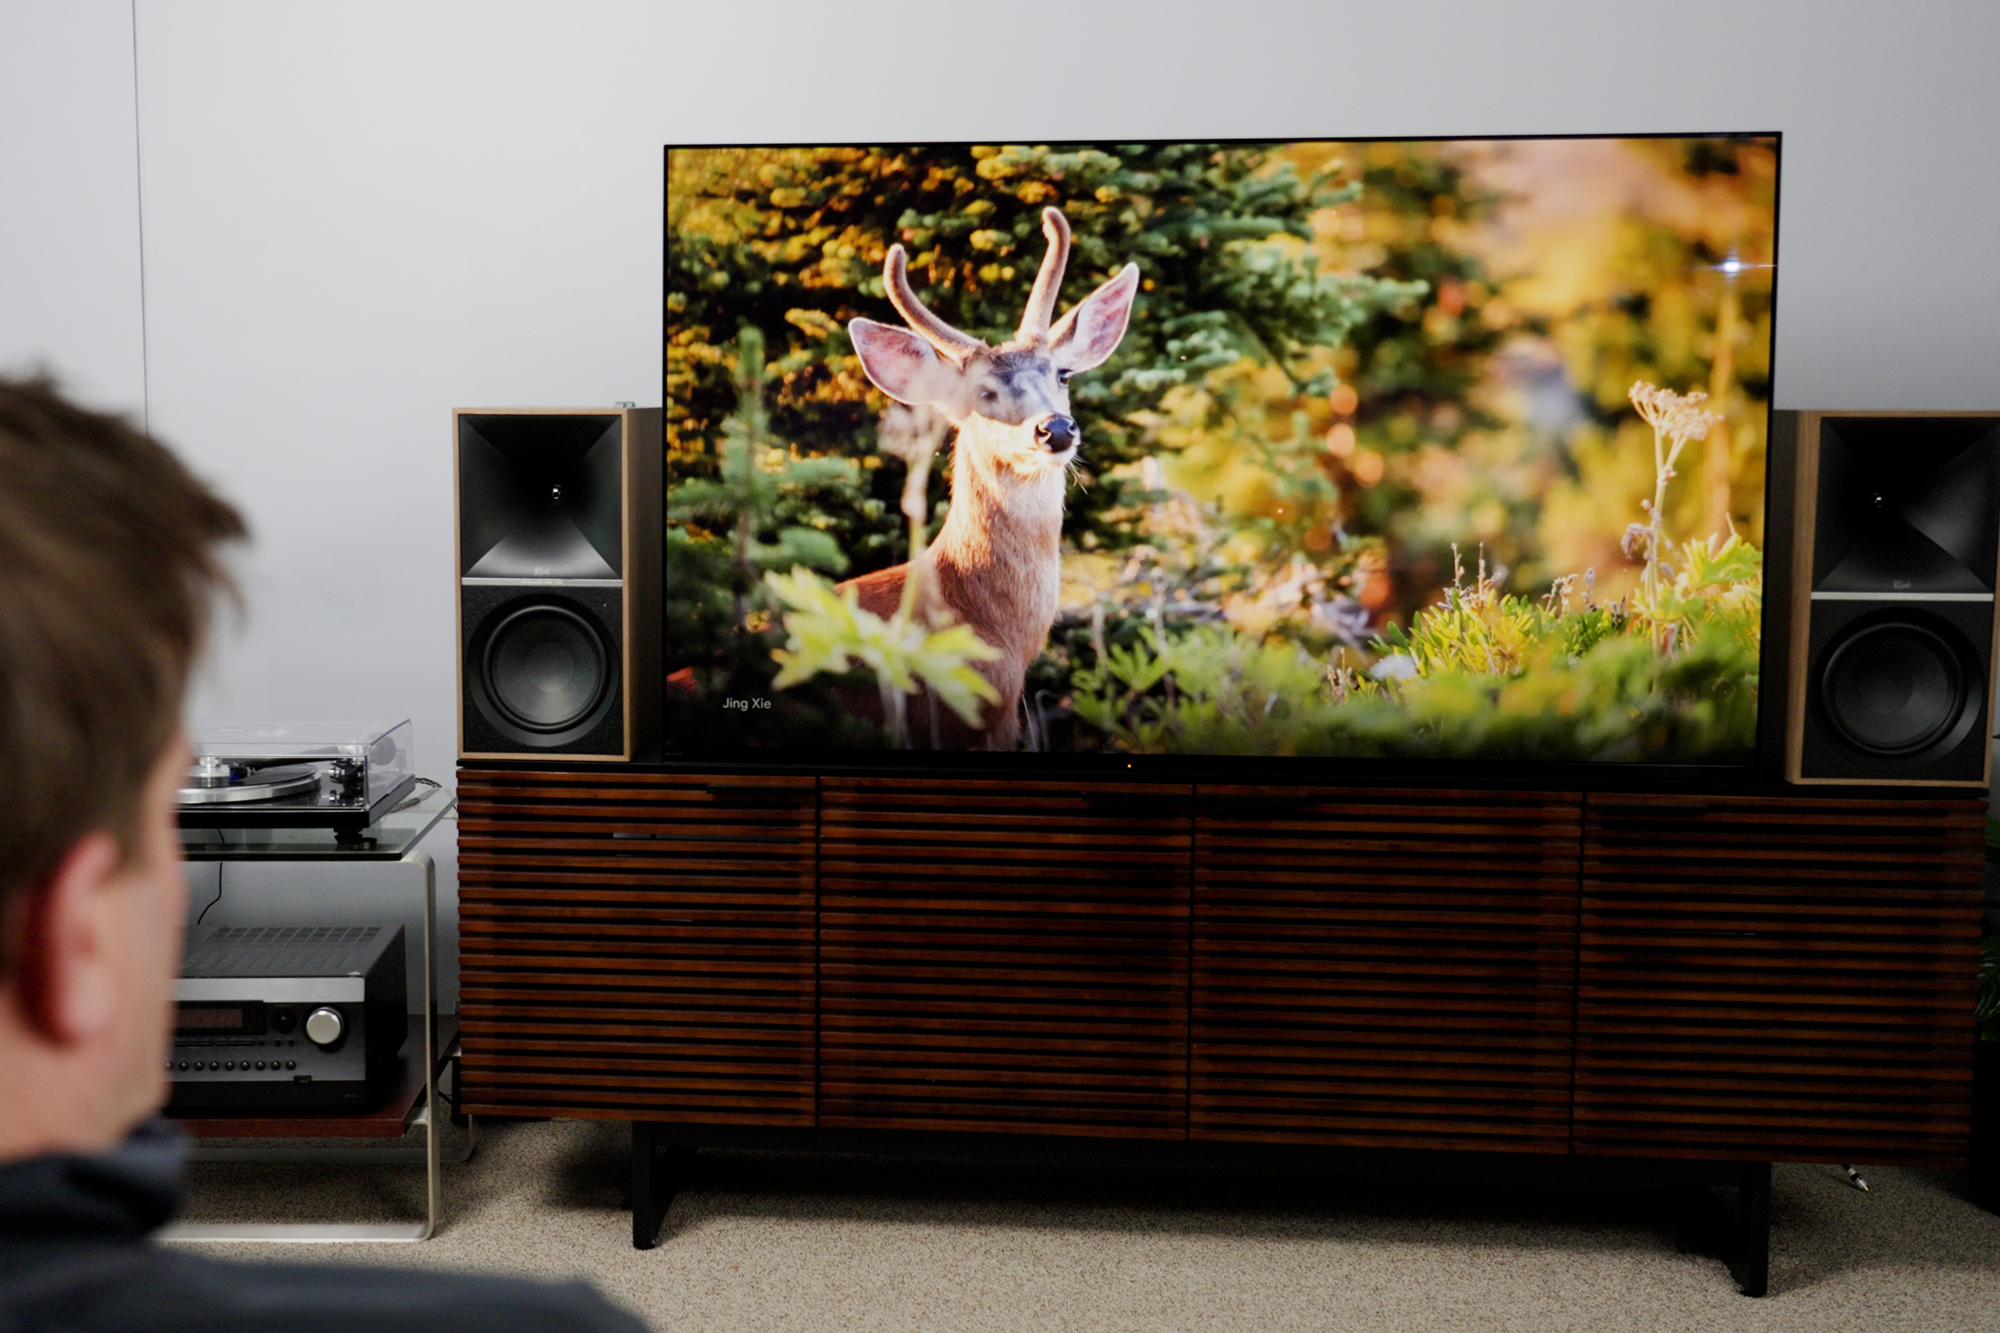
1895 557
558 582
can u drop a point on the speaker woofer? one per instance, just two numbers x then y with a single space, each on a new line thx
545 674
1895 689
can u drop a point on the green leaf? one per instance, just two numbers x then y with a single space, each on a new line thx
830 634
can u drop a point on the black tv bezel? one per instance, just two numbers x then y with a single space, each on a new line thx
1761 770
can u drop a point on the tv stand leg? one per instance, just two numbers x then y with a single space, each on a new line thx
1750 1252
654 1181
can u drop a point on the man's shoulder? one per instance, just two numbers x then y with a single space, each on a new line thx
155 1289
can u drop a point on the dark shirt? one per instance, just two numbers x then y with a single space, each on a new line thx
74 1257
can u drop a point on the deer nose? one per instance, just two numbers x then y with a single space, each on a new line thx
1055 433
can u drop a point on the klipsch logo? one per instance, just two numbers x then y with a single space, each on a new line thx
1900 585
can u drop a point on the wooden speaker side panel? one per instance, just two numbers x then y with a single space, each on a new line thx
1773 978
645 444
1798 580
1781 539
1004 957
637 946
1384 968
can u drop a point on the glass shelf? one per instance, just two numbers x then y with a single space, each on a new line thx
388 839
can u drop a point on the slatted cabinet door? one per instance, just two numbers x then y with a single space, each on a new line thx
637 946
1003 956
1774 978
1381 968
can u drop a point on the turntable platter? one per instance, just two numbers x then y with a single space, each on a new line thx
213 783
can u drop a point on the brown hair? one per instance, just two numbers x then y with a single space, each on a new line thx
108 567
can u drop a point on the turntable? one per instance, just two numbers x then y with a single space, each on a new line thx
314 774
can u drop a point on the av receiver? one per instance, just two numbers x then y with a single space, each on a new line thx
288 1016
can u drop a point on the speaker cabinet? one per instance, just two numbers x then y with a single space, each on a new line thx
558 582
1895 536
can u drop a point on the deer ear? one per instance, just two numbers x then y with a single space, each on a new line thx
1086 337
900 363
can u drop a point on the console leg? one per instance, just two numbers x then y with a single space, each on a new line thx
653 1181
1750 1260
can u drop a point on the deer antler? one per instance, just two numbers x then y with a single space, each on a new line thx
1042 300
948 340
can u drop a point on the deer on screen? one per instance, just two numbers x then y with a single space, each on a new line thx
996 563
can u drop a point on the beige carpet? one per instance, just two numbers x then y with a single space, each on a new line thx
761 1241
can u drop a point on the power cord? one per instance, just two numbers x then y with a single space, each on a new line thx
424 788
218 894
451 1098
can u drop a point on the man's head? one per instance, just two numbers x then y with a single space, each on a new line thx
109 563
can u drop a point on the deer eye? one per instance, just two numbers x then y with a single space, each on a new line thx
987 395
1062 377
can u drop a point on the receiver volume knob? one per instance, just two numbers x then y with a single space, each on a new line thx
324 1026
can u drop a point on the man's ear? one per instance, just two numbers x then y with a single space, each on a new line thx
62 956
900 363
1086 337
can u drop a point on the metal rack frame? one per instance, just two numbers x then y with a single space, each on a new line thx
422 1110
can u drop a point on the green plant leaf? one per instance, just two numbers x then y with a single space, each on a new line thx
830 634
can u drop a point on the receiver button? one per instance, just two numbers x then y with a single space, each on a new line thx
324 1026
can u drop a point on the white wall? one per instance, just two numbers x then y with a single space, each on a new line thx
359 216
69 198
357 219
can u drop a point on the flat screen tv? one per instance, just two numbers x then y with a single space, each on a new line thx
1135 454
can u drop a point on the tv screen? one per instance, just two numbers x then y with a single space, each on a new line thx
1411 449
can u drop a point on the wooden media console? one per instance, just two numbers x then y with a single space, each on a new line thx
1733 978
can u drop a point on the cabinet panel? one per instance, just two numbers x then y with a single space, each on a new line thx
1384 968
1004 956
1777 978
637 945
